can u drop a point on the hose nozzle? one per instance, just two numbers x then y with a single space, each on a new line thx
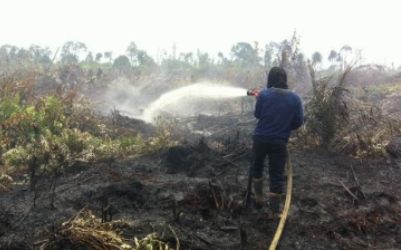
253 92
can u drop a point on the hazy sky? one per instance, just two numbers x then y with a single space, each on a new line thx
211 25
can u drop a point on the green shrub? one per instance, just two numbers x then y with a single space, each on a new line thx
47 135
327 111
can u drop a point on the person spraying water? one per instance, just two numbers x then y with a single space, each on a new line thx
279 111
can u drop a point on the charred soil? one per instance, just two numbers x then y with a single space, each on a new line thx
191 195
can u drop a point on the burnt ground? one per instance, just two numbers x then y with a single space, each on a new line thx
197 189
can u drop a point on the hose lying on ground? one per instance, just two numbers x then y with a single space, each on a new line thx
287 204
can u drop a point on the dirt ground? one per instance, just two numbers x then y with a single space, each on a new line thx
197 189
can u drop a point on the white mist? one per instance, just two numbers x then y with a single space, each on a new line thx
194 92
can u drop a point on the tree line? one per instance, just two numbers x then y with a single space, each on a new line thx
242 54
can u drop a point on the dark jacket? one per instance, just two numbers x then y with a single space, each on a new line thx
279 111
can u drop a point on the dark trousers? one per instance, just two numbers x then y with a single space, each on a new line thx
277 155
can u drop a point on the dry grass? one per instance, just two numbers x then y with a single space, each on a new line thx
86 231
337 120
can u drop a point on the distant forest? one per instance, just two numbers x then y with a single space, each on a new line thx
246 64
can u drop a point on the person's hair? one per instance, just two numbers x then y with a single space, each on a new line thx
277 78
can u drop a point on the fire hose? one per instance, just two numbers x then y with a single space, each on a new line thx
286 208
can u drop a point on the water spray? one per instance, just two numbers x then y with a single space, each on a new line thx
187 100
191 93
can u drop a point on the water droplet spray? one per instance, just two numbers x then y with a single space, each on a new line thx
197 91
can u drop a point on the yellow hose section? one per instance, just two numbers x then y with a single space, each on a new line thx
287 205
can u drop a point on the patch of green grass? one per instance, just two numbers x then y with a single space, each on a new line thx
384 89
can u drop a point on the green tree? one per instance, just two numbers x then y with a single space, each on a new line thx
108 55
40 55
71 50
89 58
132 51
332 56
144 59
244 54
317 58
122 63
187 58
268 56
8 53
223 59
24 56
98 57
204 60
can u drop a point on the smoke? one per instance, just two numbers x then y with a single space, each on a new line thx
125 97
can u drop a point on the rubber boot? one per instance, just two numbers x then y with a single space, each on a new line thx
274 201
258 188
